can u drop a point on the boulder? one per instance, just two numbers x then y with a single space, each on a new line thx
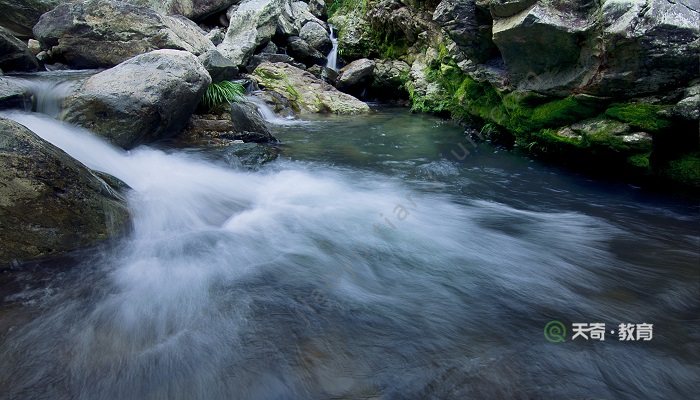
252 24
103 33
13 95
304 92
50 203
248 124
649 46
192 9
508 8
303 52
469 27
560 28
327 74
148 97
14 54
316 36
219 67
389 79
354 34
356 75
20 16
216 36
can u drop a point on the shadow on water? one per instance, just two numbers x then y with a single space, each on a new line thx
368 261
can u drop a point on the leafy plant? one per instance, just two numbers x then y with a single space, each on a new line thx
222 93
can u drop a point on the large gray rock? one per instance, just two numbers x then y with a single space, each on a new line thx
318 8
548 47
468 26
304 92
50 203
251 24
14 54
316 36
389 79
304 52
20 16
649 46
508 8
273 58
192 9
689 107
356 75
143 99
219 67
103 33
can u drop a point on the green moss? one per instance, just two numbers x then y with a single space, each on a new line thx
685 170
640 161
639 115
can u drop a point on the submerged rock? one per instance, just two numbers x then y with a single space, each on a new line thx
103 33
305 92
14 54
148 97
50 203
243 124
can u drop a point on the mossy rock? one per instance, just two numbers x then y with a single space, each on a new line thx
684 170
640 115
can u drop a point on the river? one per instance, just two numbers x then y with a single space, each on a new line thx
379 257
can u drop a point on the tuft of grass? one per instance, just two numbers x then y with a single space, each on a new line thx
222 93
639 115
685 170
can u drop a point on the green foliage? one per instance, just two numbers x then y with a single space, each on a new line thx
640 161
639 115
335 6
685 170
222 93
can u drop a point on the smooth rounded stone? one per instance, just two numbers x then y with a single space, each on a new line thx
249 155
356 75
303 52
20 16
50 204
248 124
316 36
14 54
14 95
103 33
304 92
219 67
251 24
146 98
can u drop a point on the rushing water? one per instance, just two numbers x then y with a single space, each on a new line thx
376 259
333 54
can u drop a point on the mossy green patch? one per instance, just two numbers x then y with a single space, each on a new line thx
640 115
685 170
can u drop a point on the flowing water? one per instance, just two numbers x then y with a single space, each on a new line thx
332 57
380 257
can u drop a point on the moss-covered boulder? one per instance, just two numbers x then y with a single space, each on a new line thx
304 92
50 203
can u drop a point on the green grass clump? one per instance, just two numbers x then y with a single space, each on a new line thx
639 115
222 93
640 161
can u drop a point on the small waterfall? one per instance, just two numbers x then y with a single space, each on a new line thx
48 89
269 115
333 55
